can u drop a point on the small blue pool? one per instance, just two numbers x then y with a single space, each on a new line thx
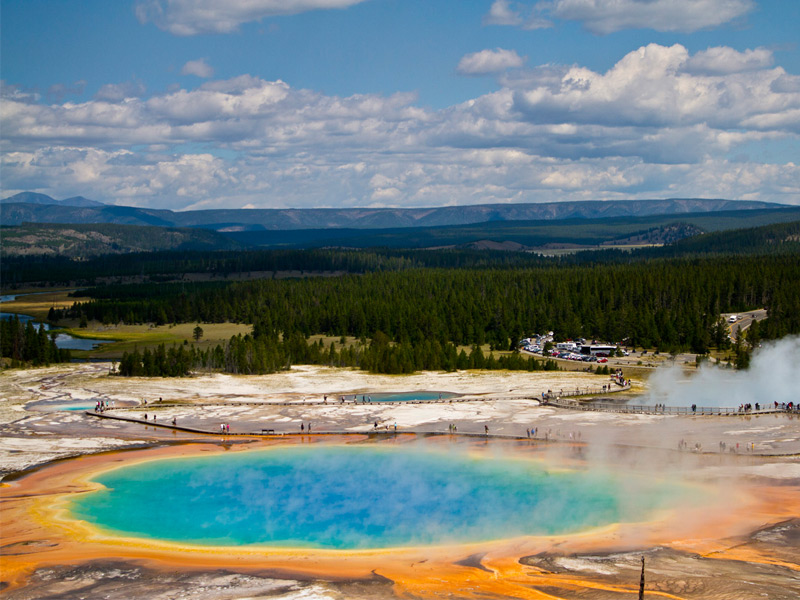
405 396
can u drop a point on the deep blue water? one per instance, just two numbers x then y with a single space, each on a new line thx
353 497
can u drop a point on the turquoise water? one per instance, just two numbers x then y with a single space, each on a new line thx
406 396
342 497
53 405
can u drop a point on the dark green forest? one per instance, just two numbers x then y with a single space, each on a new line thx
781 238
412 309
259 354
25 344
84 240
653 303
669 305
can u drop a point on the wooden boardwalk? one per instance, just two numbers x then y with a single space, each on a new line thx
269 433
649 409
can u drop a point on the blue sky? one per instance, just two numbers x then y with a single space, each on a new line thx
326 103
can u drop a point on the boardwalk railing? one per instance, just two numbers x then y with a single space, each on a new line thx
156 404
660 410
551 397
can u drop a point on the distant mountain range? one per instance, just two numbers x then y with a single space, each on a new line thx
34 198
28 207
522 235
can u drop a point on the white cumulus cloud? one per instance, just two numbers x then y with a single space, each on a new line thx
192 17
489 61
651 87
723 61
502 13
198 68
505 12
661 122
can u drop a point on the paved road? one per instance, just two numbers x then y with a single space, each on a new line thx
744 320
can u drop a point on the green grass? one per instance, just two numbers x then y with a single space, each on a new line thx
126 338
37 305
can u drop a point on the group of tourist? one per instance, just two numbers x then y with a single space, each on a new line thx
723 446
102 406
343 399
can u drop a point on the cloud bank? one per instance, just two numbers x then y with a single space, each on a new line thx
610 16
660 123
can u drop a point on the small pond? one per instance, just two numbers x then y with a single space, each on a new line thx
403 396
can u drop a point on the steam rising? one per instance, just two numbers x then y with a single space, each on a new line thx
773 376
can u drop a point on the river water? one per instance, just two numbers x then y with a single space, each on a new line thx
63 340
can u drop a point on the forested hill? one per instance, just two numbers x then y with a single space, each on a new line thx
779 238
82 241
525 235
15 213
669 304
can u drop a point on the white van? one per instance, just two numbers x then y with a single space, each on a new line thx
732 319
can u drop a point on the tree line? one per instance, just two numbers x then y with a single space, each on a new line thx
25 344
669 305
779 238
259 355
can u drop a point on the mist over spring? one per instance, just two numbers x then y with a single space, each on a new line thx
773 376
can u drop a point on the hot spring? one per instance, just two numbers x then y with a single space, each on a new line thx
407 396
356 497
